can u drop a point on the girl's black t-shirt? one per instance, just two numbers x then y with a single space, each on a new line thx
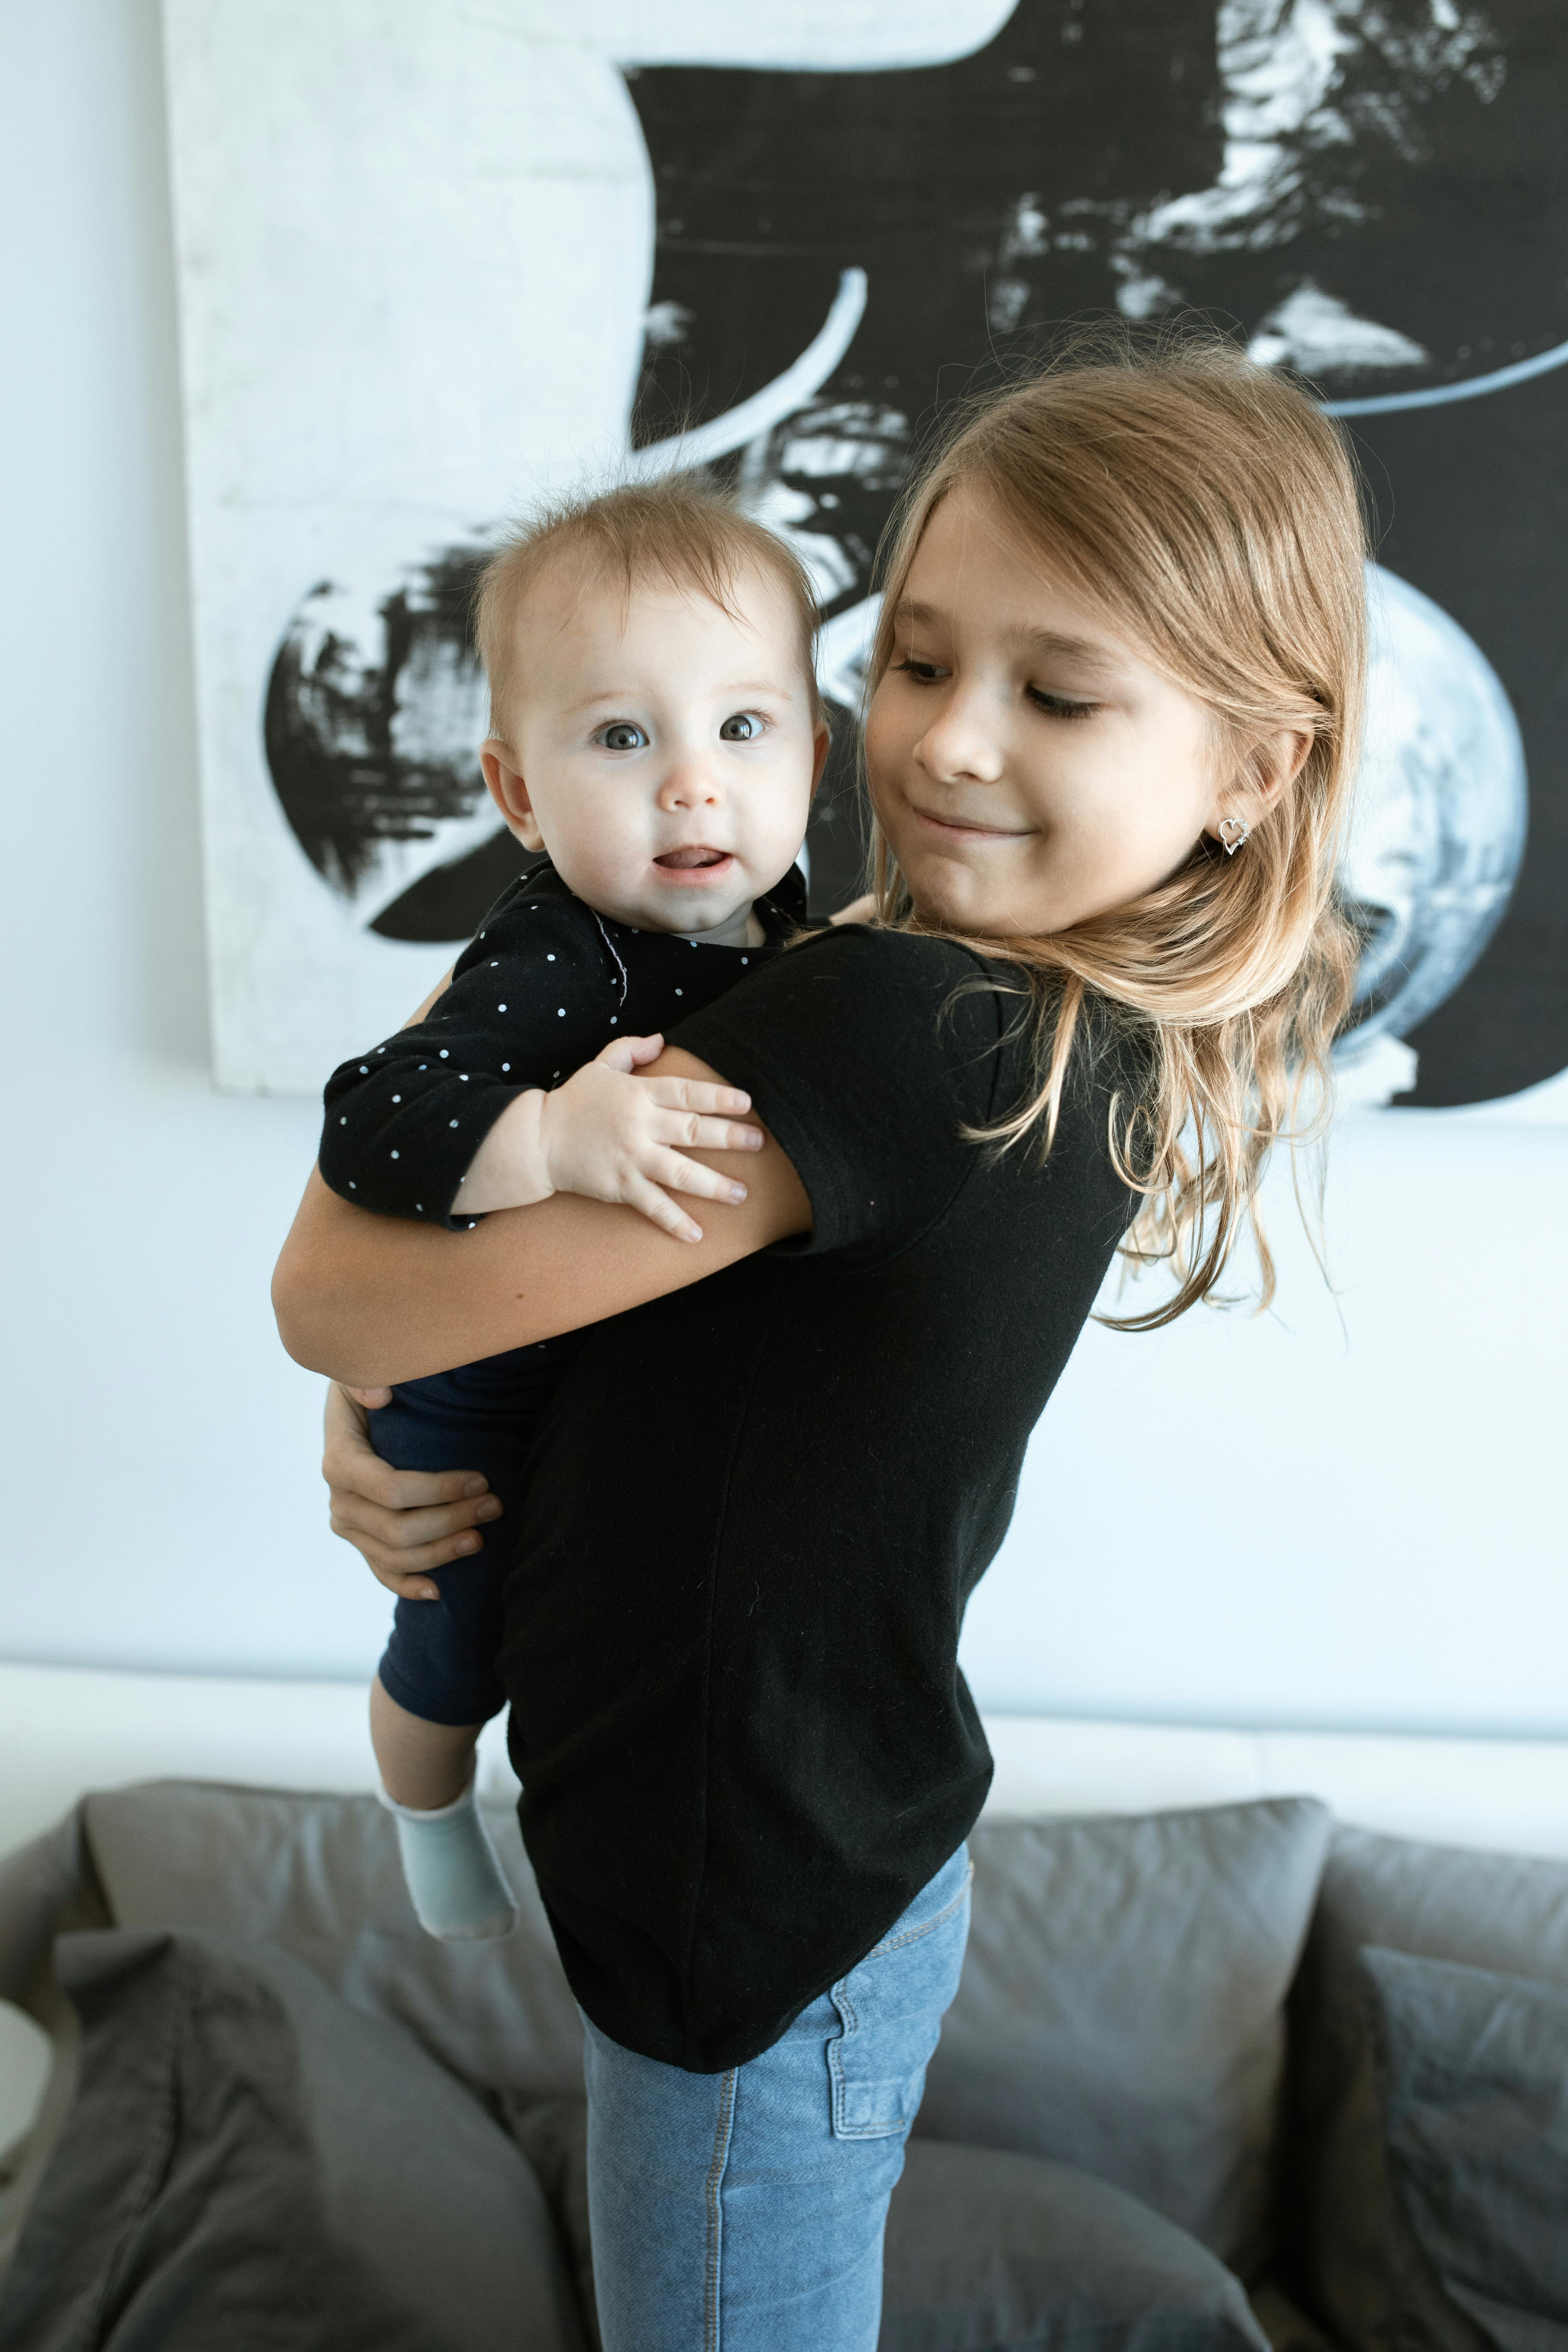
758 1506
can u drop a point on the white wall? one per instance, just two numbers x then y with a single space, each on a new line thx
1274 1521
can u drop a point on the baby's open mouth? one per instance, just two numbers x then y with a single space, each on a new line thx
682 861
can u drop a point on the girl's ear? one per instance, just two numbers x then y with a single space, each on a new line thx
1268 771
510 792
1273 765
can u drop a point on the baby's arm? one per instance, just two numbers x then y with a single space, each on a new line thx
526 1003
611 1135
461 1111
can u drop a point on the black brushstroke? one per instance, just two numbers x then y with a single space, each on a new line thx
990 199
335 724
447 903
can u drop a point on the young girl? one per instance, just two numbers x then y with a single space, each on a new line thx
1110 739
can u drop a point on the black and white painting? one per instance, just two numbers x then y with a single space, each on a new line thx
434 266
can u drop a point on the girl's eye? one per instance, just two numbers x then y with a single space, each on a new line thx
1059 706
923 673
741 727
622 735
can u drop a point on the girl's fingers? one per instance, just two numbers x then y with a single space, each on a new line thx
690 1176
661 1211
423 1490
408 1583
350 1467
403 1523
351 1464
410 1491
403 1534
408 1587
407 1574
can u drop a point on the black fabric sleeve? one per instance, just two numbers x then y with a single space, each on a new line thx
532 998
866 1053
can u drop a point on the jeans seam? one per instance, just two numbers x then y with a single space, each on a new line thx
849 2022
713 2198
839 1996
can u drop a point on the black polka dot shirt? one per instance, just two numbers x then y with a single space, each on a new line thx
545 986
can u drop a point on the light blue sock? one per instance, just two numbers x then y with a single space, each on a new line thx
450 1869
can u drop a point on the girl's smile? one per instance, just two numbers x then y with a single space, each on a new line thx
969 832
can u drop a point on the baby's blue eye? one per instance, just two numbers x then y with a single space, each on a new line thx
624 735
742 728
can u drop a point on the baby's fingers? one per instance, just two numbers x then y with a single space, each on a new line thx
629 1054
660 1210
695 1134
697 1094
691 1176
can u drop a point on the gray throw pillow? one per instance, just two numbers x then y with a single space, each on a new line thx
993 2253
319 1875
1123 2005
1344 2225
249 2164
554 2135
985 2251
1475 2084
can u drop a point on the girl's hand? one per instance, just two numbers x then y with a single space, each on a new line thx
406 1522
611 1135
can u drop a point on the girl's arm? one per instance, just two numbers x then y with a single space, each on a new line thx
369 1300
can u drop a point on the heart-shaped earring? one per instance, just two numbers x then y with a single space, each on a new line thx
1232 831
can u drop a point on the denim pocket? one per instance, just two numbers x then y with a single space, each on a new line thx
891 2009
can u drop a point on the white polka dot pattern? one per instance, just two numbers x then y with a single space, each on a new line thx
398 1130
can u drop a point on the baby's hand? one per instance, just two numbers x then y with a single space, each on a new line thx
614 1137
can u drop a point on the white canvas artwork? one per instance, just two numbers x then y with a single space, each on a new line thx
429 260
416 249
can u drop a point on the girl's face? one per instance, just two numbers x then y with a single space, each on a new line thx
1028 768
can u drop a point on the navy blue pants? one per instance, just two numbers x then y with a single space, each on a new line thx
440 1663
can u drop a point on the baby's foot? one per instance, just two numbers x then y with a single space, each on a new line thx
451 1871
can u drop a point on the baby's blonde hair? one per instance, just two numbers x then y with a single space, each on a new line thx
1209 511
677 529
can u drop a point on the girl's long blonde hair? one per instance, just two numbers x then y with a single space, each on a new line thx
1209 511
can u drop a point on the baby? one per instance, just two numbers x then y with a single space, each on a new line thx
658 735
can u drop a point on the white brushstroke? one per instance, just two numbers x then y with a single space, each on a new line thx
1438 837
768 407
1278 66
844 653
782 510
1316 331
1282 65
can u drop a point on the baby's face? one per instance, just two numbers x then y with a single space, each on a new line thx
663 752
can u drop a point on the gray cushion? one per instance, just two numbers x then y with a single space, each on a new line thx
554 2135
985 2250
46 1888
320 1876
993 2253
1123 2005
1484 1910
1284 2323
1475 2084
251 2164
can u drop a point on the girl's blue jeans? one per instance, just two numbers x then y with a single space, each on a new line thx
744 2211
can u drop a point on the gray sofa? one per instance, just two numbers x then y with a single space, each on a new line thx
1226 2078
